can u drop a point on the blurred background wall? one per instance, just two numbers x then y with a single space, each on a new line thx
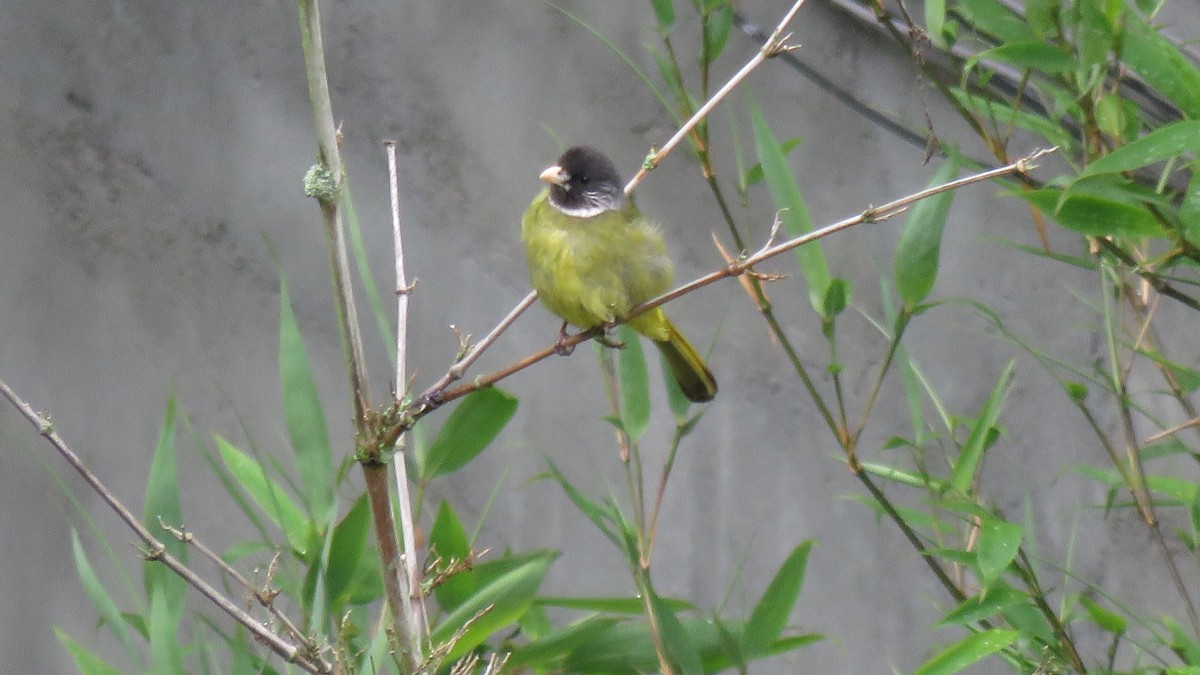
152 161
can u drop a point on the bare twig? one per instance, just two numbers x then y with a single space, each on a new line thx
375 473
435 398
265 596
303 657
416 608
774 46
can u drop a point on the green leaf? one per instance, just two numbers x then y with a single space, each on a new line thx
680 650
1189 210
303 412
1108 621
716 30
604 516
550 649
1093 215
271 498
106 607
972 452
634 384
664 14
986 604
1031 55
448 539
754 174
967 651
793 210
995 19
496 605
996 548
1163 143
162 502
87 662
164 639
1161 65
615 605
349 541
935 22
770 615
475 422
921 241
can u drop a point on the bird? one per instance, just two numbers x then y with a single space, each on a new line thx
593 257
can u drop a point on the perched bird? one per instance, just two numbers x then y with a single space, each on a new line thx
593 257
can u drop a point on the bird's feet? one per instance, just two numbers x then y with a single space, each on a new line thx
562 345
605 338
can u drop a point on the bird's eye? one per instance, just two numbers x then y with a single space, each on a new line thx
584 179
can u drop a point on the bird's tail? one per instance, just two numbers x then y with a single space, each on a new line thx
694 378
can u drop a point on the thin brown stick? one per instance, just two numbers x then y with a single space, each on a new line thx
434 398
303 657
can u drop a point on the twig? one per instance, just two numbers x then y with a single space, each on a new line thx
772 47
416 609
434 399
375 473
302 657
265 596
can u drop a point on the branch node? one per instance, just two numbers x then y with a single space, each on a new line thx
405 290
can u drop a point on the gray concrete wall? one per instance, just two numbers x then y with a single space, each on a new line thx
149 148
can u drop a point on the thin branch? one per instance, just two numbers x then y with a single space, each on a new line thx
265 596
303 657
415 611
434 398
330 194
773 46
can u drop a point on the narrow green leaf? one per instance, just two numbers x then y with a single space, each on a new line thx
972 452
496 605
903 476
993 18
996 547
1031 55
611 605
271 498
1108 621
475 422
664 14
362 265
1189 210
87 662
448 539
986 604
1161 64
345 551
1167 141
716 30
303 411
550 649
921 241
162 501
680 650
755 173
967 651
1093 215
770 615
106 607
164 636
793 210
603 516
935 22
634 384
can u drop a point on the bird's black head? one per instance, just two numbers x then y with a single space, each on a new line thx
584 183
